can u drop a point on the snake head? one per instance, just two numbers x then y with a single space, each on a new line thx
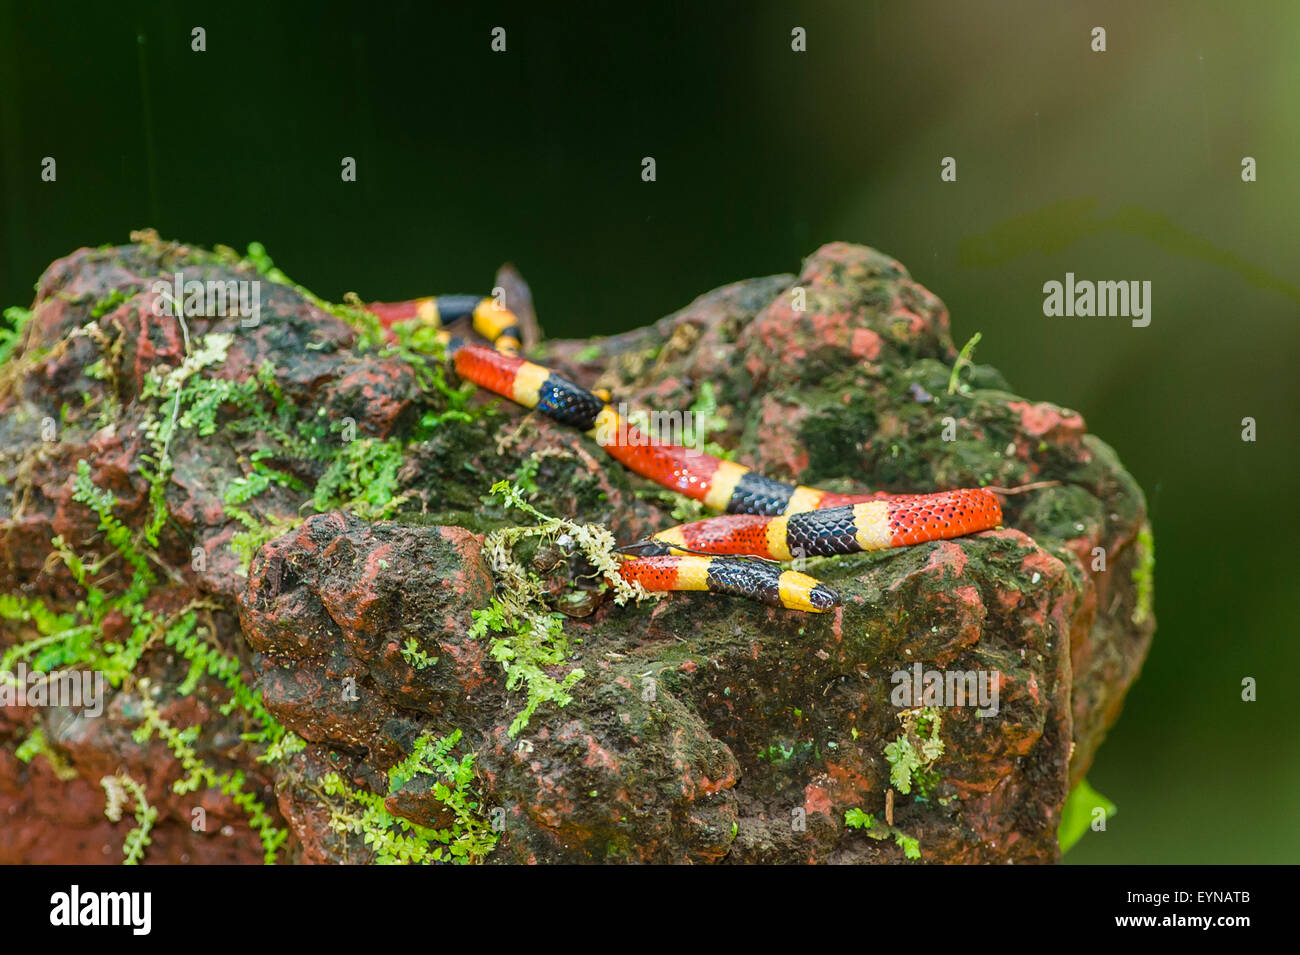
823 598
644 548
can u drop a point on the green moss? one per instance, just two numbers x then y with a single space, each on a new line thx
1059 511
527 646
681 509
358 474
828 430
109 302
1144 575
362 478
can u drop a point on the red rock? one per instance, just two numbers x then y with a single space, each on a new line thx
848 394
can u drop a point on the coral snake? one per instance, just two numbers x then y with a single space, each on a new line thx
764 518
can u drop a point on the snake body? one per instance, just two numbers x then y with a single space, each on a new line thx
763 518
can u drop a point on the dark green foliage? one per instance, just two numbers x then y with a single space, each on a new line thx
11 330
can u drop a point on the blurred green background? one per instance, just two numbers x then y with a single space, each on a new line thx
1117 165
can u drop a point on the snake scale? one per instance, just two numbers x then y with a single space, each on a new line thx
763 518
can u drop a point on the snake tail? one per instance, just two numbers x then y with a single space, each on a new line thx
494 322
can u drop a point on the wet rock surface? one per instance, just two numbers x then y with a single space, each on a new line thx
704 729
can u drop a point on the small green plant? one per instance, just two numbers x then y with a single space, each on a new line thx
120 790
964 360
776 753
912 754
706 421
1079 813
525 476
362 478
109 302
526 646
682 509
397 841
259 479
200 775
416 657
260 259
11 330
207 660
283 747
249 541
529 639
36 745
53 629
77 640
865 821
200 402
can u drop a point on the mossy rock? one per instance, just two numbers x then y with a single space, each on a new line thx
704 728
